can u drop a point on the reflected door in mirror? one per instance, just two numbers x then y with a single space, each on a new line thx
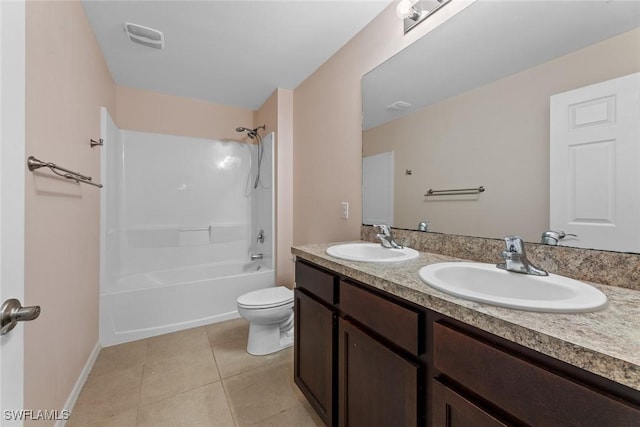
595 164
377 189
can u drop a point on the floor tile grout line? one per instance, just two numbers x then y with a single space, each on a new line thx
224 388
142 406
228 400
144 364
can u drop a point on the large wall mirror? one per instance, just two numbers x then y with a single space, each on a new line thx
468 105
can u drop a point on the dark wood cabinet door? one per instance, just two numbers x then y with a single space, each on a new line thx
451 409
314 347
377 387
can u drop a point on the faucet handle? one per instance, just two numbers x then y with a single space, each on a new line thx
384 229
551 237
424 226
514 244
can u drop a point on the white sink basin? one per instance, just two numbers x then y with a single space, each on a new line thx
370 252
489 284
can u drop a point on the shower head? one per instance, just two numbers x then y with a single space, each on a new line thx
252 133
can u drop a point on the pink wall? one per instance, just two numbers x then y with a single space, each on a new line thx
147 111
277 114
328 129
67 81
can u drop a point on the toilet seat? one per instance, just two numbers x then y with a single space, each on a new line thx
266 298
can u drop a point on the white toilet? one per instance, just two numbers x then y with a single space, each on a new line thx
270 315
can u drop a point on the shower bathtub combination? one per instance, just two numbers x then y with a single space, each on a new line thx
180 220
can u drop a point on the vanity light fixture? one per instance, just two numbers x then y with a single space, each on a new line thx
414 12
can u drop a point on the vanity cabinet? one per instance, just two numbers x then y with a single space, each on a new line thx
315 338
479 379
357 353
364 357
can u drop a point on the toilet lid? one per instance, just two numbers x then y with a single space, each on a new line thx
266 298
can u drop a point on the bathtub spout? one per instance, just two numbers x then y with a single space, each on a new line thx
256 256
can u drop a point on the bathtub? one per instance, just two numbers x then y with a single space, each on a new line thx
149 304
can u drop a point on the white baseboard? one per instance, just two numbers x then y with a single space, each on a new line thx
75 392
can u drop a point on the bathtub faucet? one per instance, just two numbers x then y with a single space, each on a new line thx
256 256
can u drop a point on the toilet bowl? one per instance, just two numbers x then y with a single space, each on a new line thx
270 315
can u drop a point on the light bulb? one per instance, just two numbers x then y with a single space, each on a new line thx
405 9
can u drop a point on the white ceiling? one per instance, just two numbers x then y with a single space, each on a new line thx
234 53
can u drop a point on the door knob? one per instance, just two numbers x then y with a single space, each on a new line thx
12 312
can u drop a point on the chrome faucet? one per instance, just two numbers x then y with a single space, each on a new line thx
386 237
260 238
516 258
256 256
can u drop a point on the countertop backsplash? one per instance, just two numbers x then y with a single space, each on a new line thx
608 268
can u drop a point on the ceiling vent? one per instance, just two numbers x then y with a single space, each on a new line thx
144 35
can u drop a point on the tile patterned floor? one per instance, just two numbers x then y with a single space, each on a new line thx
198 377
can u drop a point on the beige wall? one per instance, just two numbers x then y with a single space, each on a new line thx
277 114
327 154
496 136
147 111
66 83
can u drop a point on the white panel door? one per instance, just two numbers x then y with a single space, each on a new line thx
12 170
595 164
377 189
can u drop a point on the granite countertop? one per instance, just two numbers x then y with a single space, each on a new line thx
606 342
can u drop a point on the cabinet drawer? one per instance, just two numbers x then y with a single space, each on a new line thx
528 392
397 323
318 282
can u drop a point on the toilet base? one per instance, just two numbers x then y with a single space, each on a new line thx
267 339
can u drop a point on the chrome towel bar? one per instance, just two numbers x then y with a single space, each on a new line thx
34 164
196 229
460 191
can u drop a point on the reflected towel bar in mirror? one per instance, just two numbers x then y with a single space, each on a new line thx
34 164
461 191
206 228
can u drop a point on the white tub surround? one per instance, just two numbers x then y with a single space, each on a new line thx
180 219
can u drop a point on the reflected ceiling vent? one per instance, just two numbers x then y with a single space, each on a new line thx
144 35
398 106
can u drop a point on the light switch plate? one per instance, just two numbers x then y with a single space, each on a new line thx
344 210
